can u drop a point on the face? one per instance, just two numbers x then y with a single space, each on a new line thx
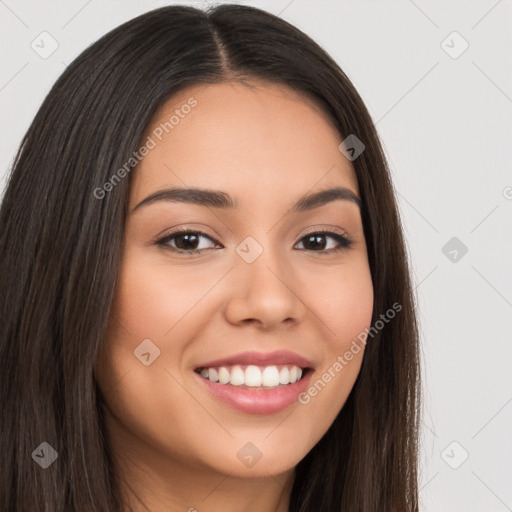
259 287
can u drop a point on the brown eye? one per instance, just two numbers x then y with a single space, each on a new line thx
188 241
184 241
316 242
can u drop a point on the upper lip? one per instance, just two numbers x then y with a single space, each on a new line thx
281 357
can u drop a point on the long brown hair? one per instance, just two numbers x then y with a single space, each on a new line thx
60 249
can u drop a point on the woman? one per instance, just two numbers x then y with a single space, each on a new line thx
207 302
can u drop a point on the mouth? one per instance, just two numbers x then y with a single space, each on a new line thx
253 377
256 383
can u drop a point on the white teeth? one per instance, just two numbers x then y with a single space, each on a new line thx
223 375
270 376
253 376
237 376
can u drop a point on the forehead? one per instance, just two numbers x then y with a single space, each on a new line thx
258 142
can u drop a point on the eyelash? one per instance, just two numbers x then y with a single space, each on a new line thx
343 240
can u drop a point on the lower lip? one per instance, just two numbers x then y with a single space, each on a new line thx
257 401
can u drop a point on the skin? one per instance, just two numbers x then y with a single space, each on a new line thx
175 444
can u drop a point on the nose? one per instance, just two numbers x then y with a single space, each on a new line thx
265 293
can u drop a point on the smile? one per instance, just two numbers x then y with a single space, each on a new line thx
255 382
252 376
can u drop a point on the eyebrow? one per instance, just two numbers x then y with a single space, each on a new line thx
219 199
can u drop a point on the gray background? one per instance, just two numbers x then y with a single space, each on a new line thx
445 121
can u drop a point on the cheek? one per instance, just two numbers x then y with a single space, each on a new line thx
139 395
343 299
155 298
349 310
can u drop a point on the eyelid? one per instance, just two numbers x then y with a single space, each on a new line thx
323 229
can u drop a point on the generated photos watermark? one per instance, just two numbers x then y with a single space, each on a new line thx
343 360
152 141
